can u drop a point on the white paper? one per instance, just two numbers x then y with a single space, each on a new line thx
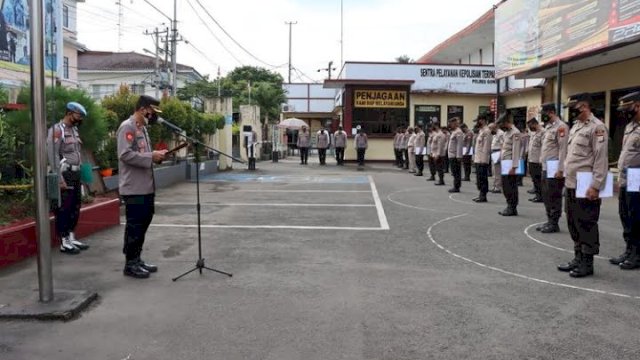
507 165
495 157
418 150
201 166
584 183
552 168
424 151
464 151
633 180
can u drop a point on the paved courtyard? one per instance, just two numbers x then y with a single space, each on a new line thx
335 263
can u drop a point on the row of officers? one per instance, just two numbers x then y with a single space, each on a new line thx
554 156
337 140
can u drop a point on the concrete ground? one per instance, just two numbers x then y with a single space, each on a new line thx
334 263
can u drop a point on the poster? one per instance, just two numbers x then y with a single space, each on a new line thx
534 33
15 40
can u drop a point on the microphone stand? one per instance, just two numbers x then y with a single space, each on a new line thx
200 262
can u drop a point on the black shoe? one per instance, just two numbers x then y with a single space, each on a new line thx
531 191
496 191
149 267
633 261
542 226
417 174
550 228
620 259
432 178
536 200
571 265
454 190
134 270
481 199
508 212
466 179
439 183
584 268
475 199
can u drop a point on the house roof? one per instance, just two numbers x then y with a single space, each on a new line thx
120 61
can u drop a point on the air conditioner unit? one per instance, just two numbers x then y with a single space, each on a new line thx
287 108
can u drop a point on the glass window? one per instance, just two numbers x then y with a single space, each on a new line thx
484 109
137 89
65 16
455 111
65 67
426 115
381 111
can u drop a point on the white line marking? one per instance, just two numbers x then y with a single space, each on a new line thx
305 191
389 197
269 227
516 274
384 224
526 232
265 204
485 204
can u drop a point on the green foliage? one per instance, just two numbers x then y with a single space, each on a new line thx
120 106
107 157
4 96
404 59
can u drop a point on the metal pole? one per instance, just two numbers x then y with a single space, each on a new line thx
341 33
157 84
559 90
45 277
290 23
174 46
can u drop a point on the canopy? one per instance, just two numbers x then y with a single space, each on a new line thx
292 123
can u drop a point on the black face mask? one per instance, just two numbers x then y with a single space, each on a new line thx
630 114
152 118
493 132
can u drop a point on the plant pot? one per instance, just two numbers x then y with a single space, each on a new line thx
106 172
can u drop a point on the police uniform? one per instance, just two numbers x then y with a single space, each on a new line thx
439 150
430 159
524 154
411 152
420 144
482 159
554 148
405 151
629 199
397 152
587 152
361 144
467 157
64 146
496 147
322 143
510 151
535 167
340 141
454 152
304 141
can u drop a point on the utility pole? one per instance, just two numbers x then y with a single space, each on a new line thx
174 47
328 69
290 23
341 32
156 37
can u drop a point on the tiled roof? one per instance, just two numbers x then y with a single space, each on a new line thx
120 61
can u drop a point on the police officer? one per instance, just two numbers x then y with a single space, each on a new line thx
340 141
535 167
587 152
404 147
420 144
304 141
629 199
554 148
454 151
430 159
397 151
361 142
496 145
322 143
510 151
438 151
137 185
482 158
411 150
467 146
64 146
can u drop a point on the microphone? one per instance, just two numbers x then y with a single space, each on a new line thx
169 125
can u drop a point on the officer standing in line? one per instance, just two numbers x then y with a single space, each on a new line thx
535 167
137 184
554 148
361 142
587 152
510 151
340 142
447 136
304 141
403 147
629 199
64 152
496 146
482 158
454 151
439 149
420 144
524 151
467 157
397 139
411 150
430 160
322 143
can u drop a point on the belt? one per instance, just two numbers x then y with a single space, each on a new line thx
73 168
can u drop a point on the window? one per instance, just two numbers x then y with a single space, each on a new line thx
101 90
65 16
455 111
426 115
380 111
484 109
137 89
65 67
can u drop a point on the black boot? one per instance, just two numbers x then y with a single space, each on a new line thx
419 173
431 178
149 267
542 226
508 212
454 190
571 264
481 199
620 259
550 228
439 183
584 268
133 269
633 261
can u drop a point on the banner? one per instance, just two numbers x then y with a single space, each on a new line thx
15 40
380 98
534 33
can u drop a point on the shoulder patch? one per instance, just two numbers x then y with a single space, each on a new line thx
562 132
600 132
516 136
57 133
129 137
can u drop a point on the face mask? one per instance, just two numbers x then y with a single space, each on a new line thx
151 118
631 113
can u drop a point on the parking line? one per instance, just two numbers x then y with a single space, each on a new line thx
384 224
305 191
270 227
265 204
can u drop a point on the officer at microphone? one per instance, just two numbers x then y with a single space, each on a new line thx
137 185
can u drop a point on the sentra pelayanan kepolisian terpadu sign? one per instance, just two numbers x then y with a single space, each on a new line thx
380 98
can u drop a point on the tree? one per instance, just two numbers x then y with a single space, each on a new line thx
404 59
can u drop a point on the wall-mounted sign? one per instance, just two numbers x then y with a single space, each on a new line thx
380 98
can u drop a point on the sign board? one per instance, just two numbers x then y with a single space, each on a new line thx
534 33
380 98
